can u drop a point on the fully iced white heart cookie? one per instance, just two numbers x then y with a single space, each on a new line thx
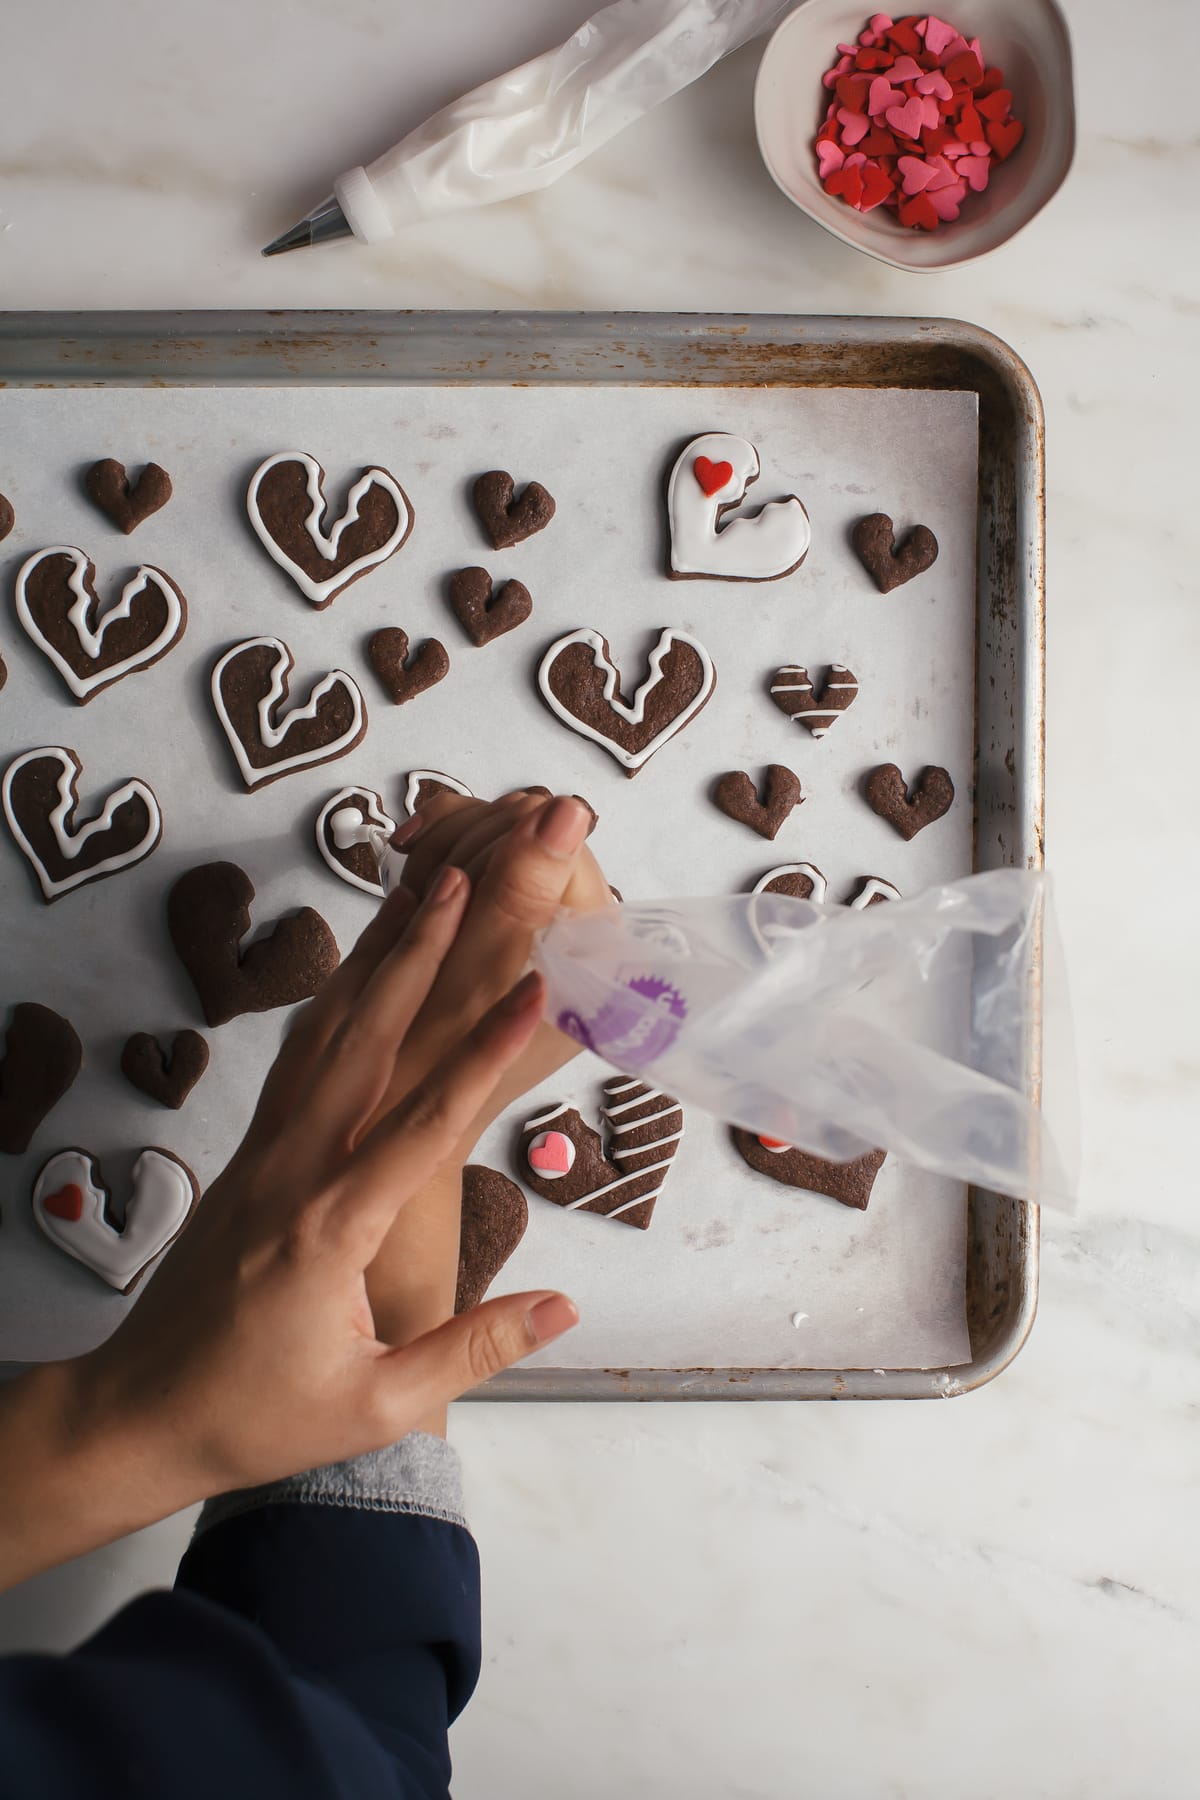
709 480
70 1203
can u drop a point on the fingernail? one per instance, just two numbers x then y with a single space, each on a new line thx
512 794
550 1318
404 834
595 819
445 886
563 825
518 998
539 792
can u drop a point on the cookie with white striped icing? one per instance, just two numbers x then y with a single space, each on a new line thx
561 1158
794 693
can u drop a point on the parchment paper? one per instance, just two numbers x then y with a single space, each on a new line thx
730 1256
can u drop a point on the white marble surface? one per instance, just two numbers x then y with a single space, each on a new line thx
996 1597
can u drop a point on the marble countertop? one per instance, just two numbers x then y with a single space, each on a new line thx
996 1597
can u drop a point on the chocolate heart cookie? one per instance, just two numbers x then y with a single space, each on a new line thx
804 881
208 915
422 785
124 503
506 520
579 682
909 811
890 564
42 1057
794 694
71 1205
849 1183
167 1076
287 508
344 827
8 517
563 1160
91 648
482 615
404 677
494 1215
737 796
39 801
250 686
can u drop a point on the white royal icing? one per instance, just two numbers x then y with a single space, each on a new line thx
536 1144
614 1090
792 679
759 548
327 542
91 637
417 776
69 843
162 1197
353 816
820 887
873 886
273 731
634 713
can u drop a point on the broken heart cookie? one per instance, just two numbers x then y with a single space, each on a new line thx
71 1204
421 785
287 508
405 677
709 480
126 503
346 825
482 614
804 881
39 800
42 1057
888 563
91 647
909 810
506 520
167 1076
564 1160
737 797
795 695
208 915
494 1215
8 517
849 1183
580 683
268 738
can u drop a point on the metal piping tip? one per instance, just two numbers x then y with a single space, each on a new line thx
321 226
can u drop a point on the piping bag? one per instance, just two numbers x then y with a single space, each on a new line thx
523 130
912 1026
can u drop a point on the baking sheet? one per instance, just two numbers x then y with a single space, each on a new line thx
730 1257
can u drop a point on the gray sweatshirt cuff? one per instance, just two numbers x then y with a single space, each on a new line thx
421 1475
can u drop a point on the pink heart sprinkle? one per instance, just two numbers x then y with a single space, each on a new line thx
904 69
831 76
946 201
980 147
856 161
954 150
867 39
554 1155
942 174
855 126
955 47
879 22
930 113
938 34
915 173
935 83
882 95
848 49
906 119
977 169
831 156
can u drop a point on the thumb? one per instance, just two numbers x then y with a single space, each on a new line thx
469 1349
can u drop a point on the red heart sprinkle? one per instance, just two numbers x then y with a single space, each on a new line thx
904 37
66 1204
935 140
852 91
877 187
970 125
1004 136
992 79
995 105
879 143
848 183
919 212
966 67
868 60
712 476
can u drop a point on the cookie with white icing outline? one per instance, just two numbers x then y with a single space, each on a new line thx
288 511
72 1206
849 1183
42 1056
804 881
167 1076
93 646
707 483
345 826
39 800
795 694
208 915
580 683
127 503
564 1160
423 785
268 738
494 1215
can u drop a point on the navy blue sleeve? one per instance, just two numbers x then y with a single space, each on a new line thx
306 1651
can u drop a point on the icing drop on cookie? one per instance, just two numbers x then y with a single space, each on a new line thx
70 844
418 776
272 733
760 548
351 817
634 713
162 1197
91 637
327 543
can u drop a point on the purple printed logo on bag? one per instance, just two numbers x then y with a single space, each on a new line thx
627 1033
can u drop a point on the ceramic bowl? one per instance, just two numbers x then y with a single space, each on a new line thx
1028 39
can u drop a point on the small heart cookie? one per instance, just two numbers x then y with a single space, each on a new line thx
167 1076
737 796
126 503
909 810
482 614
506 520
888 563
402 676
345 825
794 694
